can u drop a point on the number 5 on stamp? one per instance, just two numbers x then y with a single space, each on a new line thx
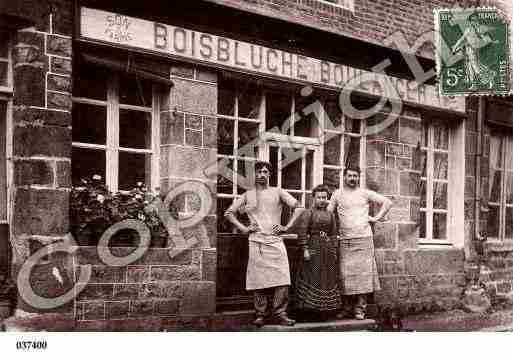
472 51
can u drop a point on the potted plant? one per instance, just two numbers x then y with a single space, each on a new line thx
93 209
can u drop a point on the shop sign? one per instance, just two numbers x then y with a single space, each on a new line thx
223 52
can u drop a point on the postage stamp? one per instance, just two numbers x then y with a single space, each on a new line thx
473 55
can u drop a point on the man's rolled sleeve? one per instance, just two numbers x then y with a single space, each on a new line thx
236 206
289 200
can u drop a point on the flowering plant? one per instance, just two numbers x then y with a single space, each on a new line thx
93 209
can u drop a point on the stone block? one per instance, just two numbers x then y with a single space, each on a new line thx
30 86
96 292
58 101
58 45
93 310
410 131
198 298
117 310
189 96
426 261
175 273
182 70
29 49
126 291
138 274
193 121
385 181
470 165
209 265
166 307
210 132
172 128
470 143
152 256
41 212
414 210
36 116
392 256
470 185
190 162
503 287
193 138
385 235
38 172
204 74
49 141
403 163
60 66
63 174
59 83
107 274
375 153
141 308
393 268
409 183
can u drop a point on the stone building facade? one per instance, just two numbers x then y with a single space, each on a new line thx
86 80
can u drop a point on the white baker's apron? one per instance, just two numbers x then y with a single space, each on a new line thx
268 264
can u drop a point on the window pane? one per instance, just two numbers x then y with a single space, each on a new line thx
89 123
495 186
3 162
351 151
277 112
493 221
134 129
441 136
308 200
439 225
440 195
273 159
291 168
509 223
4 44
3 73
509 187
423 189
441 165
422 225
85 163
225 176
91 82
134 91
333 113
423 163
249 102
309 169
508 162
246 178
248 139
495 151
225 132
332 150
424 134
133 168
226 101
331 178
307 112
352 125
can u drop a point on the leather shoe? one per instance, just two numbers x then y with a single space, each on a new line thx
285 321
259 322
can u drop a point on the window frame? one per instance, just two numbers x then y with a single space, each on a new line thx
6 95
455 185
112 148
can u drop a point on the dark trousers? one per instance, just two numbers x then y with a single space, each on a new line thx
277 296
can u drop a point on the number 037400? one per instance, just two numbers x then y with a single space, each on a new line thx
31 345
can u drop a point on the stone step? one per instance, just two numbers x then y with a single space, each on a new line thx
344 325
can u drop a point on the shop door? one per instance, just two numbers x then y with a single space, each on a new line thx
4 228
297 169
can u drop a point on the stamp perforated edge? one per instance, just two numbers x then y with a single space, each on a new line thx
438 50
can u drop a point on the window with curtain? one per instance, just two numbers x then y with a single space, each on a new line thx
500 195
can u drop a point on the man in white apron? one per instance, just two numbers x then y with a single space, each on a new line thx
268 272
358 272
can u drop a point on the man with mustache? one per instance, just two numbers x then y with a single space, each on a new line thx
358 271
268 272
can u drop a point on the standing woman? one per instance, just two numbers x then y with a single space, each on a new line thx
317 282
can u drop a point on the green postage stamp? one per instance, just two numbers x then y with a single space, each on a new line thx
473 55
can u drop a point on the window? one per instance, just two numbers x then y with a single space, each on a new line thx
302 133
500 196
344 4
115 128
442 182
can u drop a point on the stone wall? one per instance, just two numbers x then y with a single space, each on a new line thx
372 20
413 279
42 141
